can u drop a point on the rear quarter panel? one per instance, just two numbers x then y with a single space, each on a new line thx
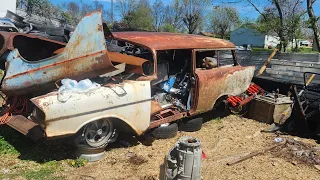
217 82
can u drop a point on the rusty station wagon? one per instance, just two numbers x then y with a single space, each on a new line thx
150 82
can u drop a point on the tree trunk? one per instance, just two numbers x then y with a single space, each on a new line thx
314 23
281 33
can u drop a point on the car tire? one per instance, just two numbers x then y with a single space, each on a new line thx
165 132
191 125
103 129
89 153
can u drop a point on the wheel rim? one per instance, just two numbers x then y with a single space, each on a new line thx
98 132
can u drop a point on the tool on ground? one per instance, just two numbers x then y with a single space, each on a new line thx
255 153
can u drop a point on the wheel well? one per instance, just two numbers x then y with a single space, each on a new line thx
117 123
219 101
121 125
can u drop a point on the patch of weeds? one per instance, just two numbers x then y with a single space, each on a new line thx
218 120
5 146
45 172
42 173
79 162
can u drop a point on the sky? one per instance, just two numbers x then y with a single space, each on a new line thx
246 11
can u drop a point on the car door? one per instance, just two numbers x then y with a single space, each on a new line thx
211 84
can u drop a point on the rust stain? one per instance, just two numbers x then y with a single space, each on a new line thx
214 83
54 64
168 119
162 41
89 14
9 36
100 27
133 64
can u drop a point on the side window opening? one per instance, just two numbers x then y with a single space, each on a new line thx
226 57
214 59
207 59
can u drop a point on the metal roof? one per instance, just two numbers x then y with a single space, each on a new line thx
163 40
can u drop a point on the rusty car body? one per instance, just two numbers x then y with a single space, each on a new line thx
164 79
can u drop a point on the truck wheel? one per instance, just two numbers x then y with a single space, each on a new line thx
90 153
191 125
165 131
96 134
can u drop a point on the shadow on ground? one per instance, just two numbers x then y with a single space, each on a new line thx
60 149
41 151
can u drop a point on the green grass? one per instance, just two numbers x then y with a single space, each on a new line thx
303 50
25 158
307 50
257 49
5 146
45 172
30 171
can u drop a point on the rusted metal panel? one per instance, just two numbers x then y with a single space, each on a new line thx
167 120
26 127
163 41
85 56
133 64
11 40
129 102
155 107
217 82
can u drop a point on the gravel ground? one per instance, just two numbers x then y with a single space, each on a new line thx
221 140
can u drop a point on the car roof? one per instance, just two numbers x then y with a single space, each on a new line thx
165 41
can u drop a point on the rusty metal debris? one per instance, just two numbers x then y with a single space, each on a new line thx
84 56
27 45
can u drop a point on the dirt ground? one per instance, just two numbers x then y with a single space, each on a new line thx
221 139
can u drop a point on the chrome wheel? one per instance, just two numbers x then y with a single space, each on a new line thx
98 133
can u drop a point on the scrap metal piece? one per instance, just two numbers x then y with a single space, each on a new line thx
133 64
26 127
31 47
183 161
218 82
85 56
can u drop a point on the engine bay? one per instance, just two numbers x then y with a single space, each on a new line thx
172 88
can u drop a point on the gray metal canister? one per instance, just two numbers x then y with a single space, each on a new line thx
184 160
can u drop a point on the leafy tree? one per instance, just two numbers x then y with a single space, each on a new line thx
40 7
224 19
314 22
140 17
193 13
169 28
173 17
158 15
281 17
125 6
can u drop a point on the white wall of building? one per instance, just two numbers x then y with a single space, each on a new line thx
7 5
272 41
242 36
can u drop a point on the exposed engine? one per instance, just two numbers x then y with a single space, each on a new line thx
174 90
